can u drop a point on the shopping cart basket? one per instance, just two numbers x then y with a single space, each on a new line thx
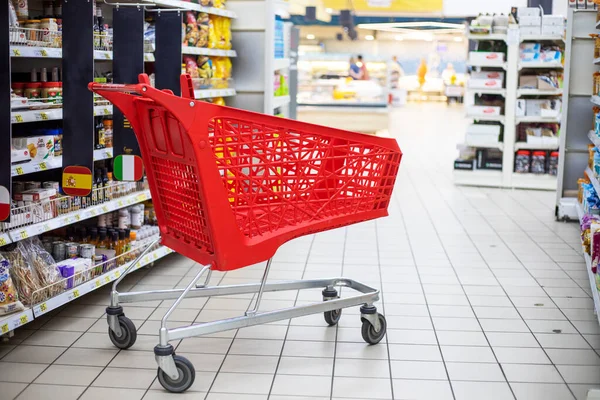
229 187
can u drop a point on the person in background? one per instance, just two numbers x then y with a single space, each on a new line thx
397 67
422 72
354 72
363 68
449 75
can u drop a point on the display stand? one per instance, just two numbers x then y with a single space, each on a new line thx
507 178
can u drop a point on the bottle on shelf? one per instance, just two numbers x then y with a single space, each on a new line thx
106 185
99 186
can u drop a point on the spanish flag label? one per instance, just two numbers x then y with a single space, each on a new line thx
77 181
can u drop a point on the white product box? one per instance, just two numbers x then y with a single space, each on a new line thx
484 110
486 80
528 12
487 75
551 57
530 30
543 108
553 20
520 108
530 57
551 30
487 58
530 21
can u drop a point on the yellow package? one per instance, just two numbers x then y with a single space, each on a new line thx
224 33
219 69
219 3
219 101
212 33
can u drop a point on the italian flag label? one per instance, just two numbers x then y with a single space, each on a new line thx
4 203
128 168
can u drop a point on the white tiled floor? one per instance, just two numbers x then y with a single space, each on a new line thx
485 294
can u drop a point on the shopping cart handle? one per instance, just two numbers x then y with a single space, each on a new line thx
116 87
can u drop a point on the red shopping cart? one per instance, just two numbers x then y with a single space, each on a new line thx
231 186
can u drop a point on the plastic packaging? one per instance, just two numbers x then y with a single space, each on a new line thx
44 267
522 161
203 22
23 275
553 163
191 30
538 162
9 298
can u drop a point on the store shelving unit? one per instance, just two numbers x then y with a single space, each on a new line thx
577 115
510 92
254 37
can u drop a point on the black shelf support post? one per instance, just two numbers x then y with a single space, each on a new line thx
78 71
5 122
168 51
128 63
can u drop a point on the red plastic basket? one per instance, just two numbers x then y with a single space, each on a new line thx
231 186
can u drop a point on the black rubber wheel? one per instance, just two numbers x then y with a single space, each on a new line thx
368 331
186 378
128 334
333 317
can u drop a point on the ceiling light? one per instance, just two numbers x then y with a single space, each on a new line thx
398 38
310 36
369 37
458 39
329 10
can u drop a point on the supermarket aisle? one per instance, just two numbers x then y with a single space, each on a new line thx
486 297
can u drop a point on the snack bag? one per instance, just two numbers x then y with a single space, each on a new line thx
205 71
9 298
219 3
212 34
191 67
191 30
218 101
22 274
206 3
203 27
225 34
43 264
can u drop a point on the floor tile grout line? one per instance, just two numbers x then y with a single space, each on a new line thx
290 321
397 203
337 328
544 289
387 342
516 309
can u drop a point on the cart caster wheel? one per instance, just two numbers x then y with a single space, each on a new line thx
128 334
333 317
184 381
368 331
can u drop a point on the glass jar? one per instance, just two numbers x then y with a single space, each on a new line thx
538 162
18 88
51 92
522 161
553 163
33 90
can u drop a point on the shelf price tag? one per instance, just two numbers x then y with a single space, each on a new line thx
43 166
117 274
107 278
23 319
47 228
75 293
18 118
77 217
20 171
107 55
98 283
4 328
43 53
104 209
44 116
2 241
43 308
16 52
23 235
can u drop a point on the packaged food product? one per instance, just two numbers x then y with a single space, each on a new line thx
44 266
553 163
205 72
206 3
51 92
203 28
538 162
595 245
191 67
219 101
9 298
212 33
21 272
33 90
219 3
223 32
191 30
522 161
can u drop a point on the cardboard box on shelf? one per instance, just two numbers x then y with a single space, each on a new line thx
530 47
528 12
486 57
551 30
484 110
35 195
530 30
528 82
553 20
543 108
530 21
543 83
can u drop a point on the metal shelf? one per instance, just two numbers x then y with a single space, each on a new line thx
484 145
547 38
539 92
25 232
186 5
533 181
51 52
89 286
533 119
534 146
51 114
103 154
210 93
16 320
32 167
202 51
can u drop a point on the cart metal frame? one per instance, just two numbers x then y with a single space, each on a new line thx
373 322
